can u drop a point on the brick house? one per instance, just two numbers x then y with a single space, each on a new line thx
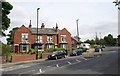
25 38
75 42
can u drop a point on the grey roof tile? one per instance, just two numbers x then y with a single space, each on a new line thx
48 31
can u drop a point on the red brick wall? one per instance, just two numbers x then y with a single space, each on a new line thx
23 58
68 37
18 35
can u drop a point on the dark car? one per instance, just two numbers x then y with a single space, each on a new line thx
98 49
57 55
76 52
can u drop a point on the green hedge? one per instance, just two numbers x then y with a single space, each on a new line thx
53 49
6 52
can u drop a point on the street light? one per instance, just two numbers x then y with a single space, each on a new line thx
37 31
77 29
117 2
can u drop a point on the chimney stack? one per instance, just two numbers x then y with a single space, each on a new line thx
42 26
30 24
56 28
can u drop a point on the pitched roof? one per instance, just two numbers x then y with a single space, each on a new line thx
48 31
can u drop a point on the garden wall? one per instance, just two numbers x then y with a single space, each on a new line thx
16 58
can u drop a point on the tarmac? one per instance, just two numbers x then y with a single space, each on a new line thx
89 53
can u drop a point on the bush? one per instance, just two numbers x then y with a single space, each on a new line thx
32 51
58 49
49 50
39 55
6 52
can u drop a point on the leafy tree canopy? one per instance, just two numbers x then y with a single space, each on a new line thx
6 7
10 39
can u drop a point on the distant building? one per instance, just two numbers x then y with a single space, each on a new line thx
75 42
25 38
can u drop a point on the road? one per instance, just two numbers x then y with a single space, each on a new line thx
104 64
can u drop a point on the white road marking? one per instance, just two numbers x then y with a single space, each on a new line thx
84 58
48 66
57 65
78 60
69 62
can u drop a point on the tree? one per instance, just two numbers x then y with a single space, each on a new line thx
6 7
10 39
109 40
91 42
118 39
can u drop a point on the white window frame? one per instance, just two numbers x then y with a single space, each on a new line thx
26 35
63 36
40 39
51 38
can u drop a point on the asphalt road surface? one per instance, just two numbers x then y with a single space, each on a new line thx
107 63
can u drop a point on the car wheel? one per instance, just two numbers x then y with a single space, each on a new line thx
56 57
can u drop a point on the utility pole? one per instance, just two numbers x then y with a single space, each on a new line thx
37 31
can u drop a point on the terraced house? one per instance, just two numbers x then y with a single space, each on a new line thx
25 38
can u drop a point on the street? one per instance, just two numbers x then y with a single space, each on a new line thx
107 63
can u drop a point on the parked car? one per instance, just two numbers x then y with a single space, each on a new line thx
98 49
76 52
57 55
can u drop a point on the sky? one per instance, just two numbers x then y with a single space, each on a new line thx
99 16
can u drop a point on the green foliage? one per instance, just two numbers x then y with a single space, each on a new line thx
109 40
39 55
6 51
54 49
49 50
10 39
6 7
32 51
91 42
58 49
118 39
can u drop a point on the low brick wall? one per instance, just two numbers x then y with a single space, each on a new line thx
23 58
45 55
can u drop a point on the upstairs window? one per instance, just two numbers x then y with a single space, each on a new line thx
49 39
24 37
39 38
63 38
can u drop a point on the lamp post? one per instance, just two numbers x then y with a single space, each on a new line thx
37 31
117 3
77 29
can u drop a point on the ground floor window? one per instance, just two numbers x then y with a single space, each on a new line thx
40 47
64 46
49 46
24 47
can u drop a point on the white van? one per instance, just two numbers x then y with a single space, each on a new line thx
85 45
